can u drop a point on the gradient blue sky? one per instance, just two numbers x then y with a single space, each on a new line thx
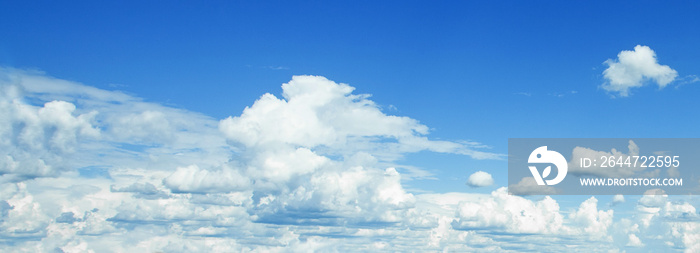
470 71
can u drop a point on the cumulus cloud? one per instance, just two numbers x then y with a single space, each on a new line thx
480 179
288 143
617 199
510 213
37 139
633 68
144 163
514 214
653 198
317 112
593 221
22 215
681 211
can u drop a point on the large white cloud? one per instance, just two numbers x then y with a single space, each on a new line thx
633 68
318 112
288 144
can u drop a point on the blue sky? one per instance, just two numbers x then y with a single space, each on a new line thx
478 72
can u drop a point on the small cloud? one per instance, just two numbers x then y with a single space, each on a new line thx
633 68
617 199
527 94
480 179
654 198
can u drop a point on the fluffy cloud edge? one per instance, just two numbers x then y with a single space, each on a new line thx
480 179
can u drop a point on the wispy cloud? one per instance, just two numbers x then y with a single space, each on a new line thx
277 67
527 94
689 79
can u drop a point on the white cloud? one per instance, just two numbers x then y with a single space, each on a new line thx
593 221
633 68
680 211
133 152
37 140
22 216
503 212
510 213
653 198
288 144
280 164
480 179
617 199
317 112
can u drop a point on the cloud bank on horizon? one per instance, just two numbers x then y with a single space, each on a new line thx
90 170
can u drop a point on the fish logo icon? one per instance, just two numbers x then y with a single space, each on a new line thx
543 156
